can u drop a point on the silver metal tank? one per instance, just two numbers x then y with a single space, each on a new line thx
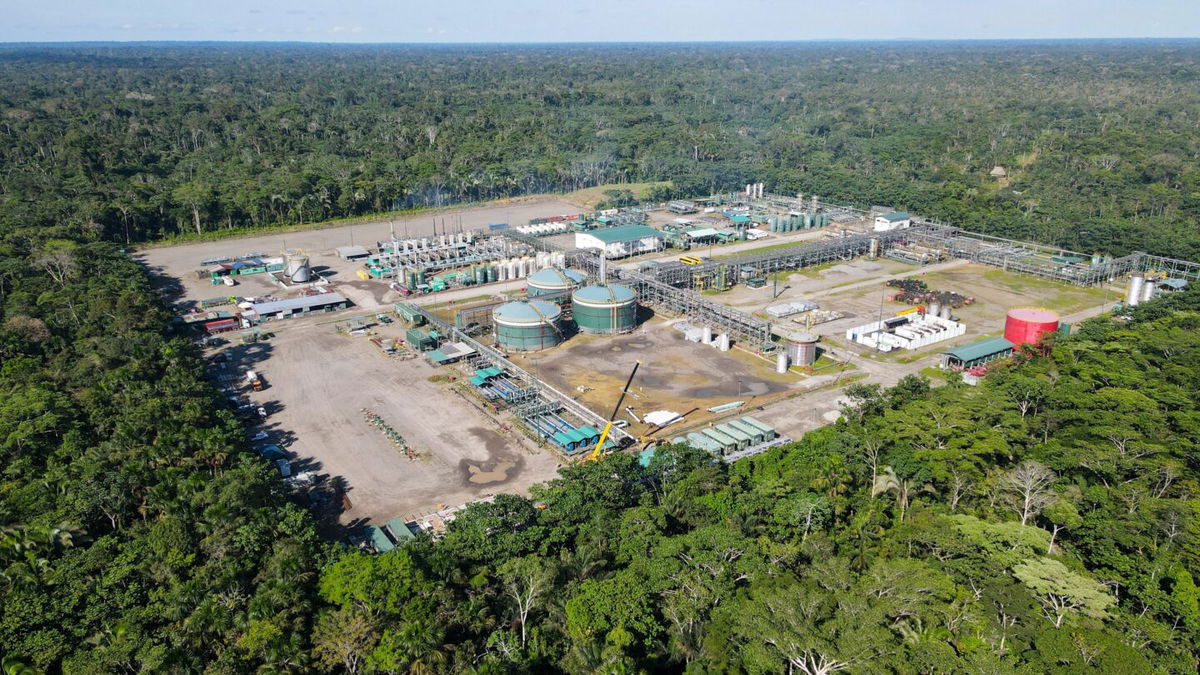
1133 295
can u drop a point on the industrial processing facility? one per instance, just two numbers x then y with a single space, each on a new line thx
500 351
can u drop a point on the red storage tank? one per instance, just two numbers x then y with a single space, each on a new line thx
1026 325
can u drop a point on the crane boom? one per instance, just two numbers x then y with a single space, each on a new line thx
616 409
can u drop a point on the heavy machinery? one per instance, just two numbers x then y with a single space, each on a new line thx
616 409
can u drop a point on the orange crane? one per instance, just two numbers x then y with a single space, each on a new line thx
616 409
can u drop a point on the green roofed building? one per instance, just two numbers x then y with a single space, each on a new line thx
379 539
976 353
618 242
400 531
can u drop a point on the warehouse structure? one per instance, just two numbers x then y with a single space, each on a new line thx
895 220
976 354
301 306
619 242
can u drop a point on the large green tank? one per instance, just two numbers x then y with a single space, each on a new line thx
553 280
528 326
605 309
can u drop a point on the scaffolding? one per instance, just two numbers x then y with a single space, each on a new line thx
682 301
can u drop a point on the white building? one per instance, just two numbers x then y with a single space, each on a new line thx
619 242
892 221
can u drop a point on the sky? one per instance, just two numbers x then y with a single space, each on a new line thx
452 21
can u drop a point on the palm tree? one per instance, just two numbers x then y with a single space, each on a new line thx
901 488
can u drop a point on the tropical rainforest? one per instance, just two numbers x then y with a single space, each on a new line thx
1044 521
1098 140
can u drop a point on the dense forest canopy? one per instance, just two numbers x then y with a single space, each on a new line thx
1045 521
1099 139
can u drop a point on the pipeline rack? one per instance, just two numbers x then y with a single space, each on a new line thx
548 398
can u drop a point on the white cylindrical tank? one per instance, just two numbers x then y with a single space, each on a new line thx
934 309
707 335
723 342
1133 295
303 272
522 268
1148 290
945 313
781 362
501 273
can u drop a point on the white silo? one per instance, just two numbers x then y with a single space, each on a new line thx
781 362
1148 290
300 271
1133 295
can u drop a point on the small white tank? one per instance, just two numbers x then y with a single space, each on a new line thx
781 362
723 342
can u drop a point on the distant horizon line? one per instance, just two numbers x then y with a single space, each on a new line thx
577 43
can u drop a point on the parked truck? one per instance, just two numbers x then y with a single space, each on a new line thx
254 380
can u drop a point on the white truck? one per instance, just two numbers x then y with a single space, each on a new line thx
254 380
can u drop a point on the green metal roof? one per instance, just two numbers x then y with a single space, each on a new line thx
740 219
399 530
379 539
611 294
981 349
895 216
534 311
615 235
552 277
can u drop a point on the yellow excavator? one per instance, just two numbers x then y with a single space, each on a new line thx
616 409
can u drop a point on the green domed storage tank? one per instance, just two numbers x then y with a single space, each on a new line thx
553 280
605 310
528 326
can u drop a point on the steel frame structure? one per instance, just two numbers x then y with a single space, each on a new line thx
433 259
536 243
682 301
548 394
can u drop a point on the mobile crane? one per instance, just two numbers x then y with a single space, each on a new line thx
616 409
